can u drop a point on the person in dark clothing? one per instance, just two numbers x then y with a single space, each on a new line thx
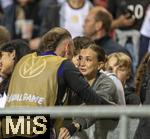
53 74
97 26
142 131
141 79
51 17
18 14
10 53
128 16
110 46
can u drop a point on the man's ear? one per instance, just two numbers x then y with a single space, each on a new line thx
99 25
66 47
13 54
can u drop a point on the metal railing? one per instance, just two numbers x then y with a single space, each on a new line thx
123 112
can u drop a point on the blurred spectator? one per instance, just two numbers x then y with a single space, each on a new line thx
10 53
5 3
145 36
72 15
61 1
102 3
141 79
120 64
4 35
128 16
22 19
51 17
142 131
97 26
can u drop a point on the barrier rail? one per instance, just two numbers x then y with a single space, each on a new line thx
124 112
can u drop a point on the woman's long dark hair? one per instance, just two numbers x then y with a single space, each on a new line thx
141 75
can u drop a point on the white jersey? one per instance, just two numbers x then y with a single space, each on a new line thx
73 19
145 30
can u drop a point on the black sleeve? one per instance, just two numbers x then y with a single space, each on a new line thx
111 6
77 83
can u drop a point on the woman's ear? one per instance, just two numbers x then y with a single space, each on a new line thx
101 65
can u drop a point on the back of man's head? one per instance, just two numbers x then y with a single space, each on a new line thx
4 35
52 38
104 16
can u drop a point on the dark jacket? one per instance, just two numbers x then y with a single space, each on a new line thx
143 130
110 46
51 18
32 12
105 88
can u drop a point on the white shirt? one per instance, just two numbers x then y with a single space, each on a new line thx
73 19
3 100
145 29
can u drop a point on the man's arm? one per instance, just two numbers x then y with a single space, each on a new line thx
77 83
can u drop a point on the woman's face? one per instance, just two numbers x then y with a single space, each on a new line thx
88 62
6 63
23 2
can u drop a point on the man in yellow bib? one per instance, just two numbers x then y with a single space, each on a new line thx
41 78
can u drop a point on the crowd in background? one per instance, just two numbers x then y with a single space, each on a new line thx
108 41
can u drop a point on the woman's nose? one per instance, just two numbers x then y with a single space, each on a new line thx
82 62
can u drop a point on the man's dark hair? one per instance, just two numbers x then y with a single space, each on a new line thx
101 56
20 46
80 42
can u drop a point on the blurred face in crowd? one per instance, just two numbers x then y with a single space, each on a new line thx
76 3
88 63
6 63
23 2
102 3
121 72
89 25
